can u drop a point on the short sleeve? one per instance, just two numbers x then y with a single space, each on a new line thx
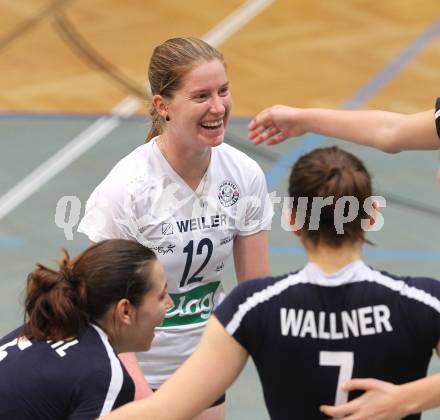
96 395
431 292
437 116
90 397
424 311
107 214
233 314
256 206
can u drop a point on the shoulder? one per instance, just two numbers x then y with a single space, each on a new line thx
131 172
270 286
85 354
424 290
132 165
399 282
92 361
102 383
235 166
94 342
236 157
252 294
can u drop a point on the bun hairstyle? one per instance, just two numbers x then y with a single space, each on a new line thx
60 302
170 62
330 172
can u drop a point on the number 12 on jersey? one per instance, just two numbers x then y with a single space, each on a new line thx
189 251
345 361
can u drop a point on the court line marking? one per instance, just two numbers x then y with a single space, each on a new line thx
374 85
105 125
235 21
65 156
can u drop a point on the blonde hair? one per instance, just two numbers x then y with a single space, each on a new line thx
170 62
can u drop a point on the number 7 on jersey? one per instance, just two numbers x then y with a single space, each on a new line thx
345 361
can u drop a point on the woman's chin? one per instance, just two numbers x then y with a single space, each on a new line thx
213 138
148 344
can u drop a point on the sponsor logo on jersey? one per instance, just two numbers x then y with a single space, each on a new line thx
226 240
167 229
228 193
201 223
192 307
220 267
164 249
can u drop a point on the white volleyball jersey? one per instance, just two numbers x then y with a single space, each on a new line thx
192 232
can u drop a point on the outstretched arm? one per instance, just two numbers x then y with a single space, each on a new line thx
214 365
388 131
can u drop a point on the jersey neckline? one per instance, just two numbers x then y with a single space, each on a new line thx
340 277
204 182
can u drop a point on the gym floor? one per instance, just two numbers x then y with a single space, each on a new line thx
72 104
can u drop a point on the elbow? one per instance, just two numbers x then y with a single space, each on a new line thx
390 148
391 142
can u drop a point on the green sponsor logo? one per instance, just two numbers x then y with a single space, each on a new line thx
191 307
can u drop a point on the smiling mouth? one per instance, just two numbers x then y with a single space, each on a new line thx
212 125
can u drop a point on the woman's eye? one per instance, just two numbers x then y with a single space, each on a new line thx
201 97
224 91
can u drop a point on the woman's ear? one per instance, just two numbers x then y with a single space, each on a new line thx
290 216
123 312
372 217
160 105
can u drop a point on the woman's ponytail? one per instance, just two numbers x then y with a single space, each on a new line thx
157 124
55 302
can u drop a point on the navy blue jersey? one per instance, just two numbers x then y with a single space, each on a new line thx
76 379
308 333
437 116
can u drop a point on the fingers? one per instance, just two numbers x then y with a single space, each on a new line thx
252 125
277 139
275 124
271 134
363 406
262 118
260 132
255 133
260 124
329 410
363 384
340 410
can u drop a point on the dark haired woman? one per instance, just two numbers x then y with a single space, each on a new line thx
311 330
391 132
62 362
